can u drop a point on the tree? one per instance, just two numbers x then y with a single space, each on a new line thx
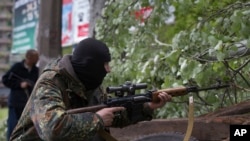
96 7
207 43
49 34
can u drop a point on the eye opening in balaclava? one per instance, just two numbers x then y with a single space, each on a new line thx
88 62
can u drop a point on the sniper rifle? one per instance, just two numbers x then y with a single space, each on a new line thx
126 97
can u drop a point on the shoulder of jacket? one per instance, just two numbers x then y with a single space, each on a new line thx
18 64
53 65
48 74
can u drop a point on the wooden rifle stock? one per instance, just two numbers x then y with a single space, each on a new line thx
87 109
178 91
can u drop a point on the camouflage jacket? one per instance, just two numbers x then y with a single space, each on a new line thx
57 90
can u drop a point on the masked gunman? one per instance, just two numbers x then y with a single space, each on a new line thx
73 81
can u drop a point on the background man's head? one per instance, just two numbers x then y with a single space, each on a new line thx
31 57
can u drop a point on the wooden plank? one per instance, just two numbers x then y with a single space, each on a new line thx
214 126
203 130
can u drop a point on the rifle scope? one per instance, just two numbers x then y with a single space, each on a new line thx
127 87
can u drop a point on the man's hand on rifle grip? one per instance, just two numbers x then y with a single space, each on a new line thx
163 99
108 114
24 84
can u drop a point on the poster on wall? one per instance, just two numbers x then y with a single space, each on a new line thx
81 19
25 25
67 23
75 21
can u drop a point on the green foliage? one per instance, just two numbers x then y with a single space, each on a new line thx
206 43
3 125
67 50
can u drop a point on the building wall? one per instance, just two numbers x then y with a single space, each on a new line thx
5 34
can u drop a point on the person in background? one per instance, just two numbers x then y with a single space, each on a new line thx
70 82
20 78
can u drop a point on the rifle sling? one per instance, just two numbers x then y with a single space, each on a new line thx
190 119
104 134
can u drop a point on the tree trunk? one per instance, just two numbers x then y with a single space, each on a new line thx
96 7
49 36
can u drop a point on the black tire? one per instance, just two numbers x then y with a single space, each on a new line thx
167 136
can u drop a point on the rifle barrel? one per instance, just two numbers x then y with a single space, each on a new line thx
214 87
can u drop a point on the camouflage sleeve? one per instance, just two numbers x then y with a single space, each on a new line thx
51 121
133 115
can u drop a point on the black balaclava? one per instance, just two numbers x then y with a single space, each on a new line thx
88 62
